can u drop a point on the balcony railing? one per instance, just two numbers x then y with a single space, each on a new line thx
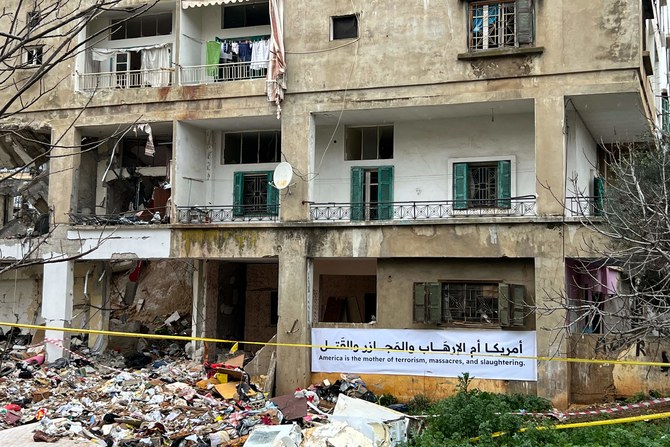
584 206
230 213
161 77
423 210
235 71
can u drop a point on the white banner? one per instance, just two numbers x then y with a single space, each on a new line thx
483 354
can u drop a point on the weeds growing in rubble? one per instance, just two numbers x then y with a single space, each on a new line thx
472 413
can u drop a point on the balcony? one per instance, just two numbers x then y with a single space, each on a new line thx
161 77
584 206
422 210
235 71
227 213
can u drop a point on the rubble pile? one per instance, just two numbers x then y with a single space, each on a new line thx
160 398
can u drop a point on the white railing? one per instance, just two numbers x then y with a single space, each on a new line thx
234 71
161 77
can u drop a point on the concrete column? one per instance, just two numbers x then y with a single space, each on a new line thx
550 153
96 287
298 133
57 296
65 162
293 363
553 376
199 307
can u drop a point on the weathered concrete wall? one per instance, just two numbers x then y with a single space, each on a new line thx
396 278
593 382
421 41
20 296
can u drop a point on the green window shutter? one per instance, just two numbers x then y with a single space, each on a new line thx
518 301
460 186
504 184
524 22
357 205
599 195
665 111
385 196
238 194
434 302
273 196
419 303
503 304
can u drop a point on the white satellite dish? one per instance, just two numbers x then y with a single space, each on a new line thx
282 175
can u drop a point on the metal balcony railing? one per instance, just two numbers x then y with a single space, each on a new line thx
228 213
584 206
235 71
161 77
423 210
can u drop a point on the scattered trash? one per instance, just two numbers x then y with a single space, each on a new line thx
153 395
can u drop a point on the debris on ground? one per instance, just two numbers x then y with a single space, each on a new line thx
156 397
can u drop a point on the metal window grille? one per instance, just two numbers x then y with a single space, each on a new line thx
255 196
470 303
492 25
483 185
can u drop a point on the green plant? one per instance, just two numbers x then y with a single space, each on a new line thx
464 382
419 404
386 399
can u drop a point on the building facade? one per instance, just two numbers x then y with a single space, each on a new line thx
441 154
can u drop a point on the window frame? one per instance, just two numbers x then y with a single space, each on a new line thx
348 134
362 209
272 195
34 52
431 305
277 139
244 6
123 24
507 183
523 17
333 20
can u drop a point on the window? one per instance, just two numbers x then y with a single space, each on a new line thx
33 19
492 304
252 147
142 26
240 16
34 55
372 193
253 194
499 24
482 185
368 143
344 27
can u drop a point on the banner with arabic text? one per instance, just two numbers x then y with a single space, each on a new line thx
484 354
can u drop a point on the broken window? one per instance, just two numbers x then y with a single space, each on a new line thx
344 27
253 194
34 55
252 147
369 143
347 298
493 304
499 24
142 26
240 16
482 185
372 193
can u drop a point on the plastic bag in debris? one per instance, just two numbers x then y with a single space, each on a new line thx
335 434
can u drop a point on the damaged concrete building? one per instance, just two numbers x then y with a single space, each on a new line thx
363 174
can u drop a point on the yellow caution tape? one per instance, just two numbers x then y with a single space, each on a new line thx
311 346
646 417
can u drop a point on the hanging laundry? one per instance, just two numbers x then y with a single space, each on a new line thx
260 54
212 56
